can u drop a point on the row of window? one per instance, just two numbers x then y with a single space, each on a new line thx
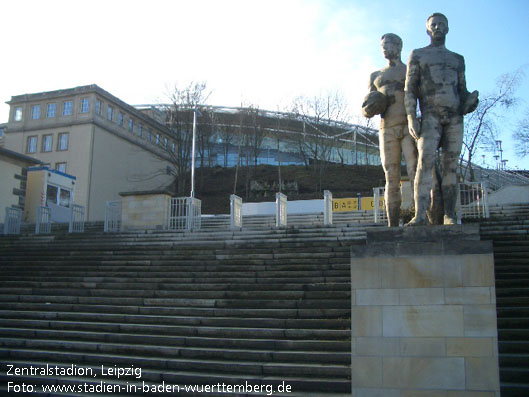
47 143
51 110
149 136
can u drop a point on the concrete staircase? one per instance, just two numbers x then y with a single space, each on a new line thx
509 231
254 308
222 222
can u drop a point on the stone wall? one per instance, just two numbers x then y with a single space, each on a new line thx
144 210
424 315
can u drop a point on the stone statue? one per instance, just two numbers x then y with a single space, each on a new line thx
436 78
386 97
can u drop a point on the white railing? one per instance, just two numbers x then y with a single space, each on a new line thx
43 223
235 212
473 200
379 212
281 210
327 207
76 219
494 178
13 220
112 217
184 213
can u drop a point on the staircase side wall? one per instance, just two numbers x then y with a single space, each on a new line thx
423 316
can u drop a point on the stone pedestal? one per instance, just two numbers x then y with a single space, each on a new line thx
145 210
424 314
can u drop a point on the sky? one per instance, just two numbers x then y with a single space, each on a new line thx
262 53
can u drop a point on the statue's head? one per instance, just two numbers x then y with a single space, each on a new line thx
391 45
437 26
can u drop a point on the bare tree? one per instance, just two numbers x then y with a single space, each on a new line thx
183 101
481 125
521 136
317 141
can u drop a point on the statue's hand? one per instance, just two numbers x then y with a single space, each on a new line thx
471 103
415 127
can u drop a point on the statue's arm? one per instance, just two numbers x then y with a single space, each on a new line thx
411 89
367 110
469 101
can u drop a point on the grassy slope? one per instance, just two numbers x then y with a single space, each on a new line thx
214 185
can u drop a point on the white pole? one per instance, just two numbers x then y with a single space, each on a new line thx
193 154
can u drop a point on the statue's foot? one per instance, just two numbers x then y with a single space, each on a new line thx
449 220
416 222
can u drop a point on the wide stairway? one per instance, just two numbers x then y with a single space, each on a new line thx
509 231
255 310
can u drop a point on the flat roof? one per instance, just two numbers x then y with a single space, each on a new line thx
19 156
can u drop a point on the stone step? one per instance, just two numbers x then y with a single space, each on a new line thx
512 292
328 352
310 314
324 386
184 302
116 386
207 337
161 284
514 375
519 282
513 323
252 279
175 294
261 323
507 312
514 389
512 301
513 347
520 335
13 269
149 366
130 251
177 330
514 360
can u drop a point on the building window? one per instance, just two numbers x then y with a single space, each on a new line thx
32 144
61 167
1 132
110 113
131 125
47 143
35 112
140 130
149 135
165 142
173 147
85 105
52 110
58 196
18 113
121 119
67 108
63 141
98 107
157 139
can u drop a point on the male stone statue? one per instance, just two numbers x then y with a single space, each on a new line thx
386 98
436 78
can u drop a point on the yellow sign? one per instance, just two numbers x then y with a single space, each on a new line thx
345 205
351 204
368 203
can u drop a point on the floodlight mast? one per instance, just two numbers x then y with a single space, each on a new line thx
193 153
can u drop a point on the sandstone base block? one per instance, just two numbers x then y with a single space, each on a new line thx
424 314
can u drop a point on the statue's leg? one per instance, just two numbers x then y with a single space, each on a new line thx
451 143
409 148
427 146
391 158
